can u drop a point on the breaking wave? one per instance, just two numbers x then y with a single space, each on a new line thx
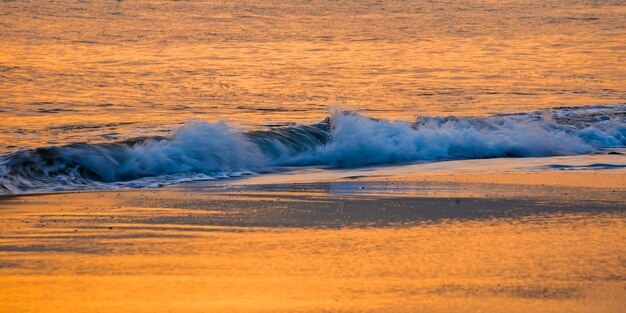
200 150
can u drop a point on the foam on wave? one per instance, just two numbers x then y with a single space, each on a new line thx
200 150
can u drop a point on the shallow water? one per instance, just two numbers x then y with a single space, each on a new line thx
311 248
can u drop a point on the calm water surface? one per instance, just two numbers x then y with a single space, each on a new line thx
309 249
76 71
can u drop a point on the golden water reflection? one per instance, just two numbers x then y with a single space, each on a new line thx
97 252
97 71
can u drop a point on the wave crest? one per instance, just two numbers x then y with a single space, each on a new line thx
200 150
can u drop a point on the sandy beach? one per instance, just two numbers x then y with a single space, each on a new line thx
409 243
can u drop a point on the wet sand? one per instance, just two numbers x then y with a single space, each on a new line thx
349 244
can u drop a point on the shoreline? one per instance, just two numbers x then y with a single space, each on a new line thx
584 171
315 247
342 241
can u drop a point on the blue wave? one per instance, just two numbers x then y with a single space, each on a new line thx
200 150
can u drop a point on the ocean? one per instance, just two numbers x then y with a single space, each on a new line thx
119 94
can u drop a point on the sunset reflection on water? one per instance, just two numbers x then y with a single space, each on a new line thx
516 213
111 70
97 252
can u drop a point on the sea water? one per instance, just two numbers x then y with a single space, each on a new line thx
110 94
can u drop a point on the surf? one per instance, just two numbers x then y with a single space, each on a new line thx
201 150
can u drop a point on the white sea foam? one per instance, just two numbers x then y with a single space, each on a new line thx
200 150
